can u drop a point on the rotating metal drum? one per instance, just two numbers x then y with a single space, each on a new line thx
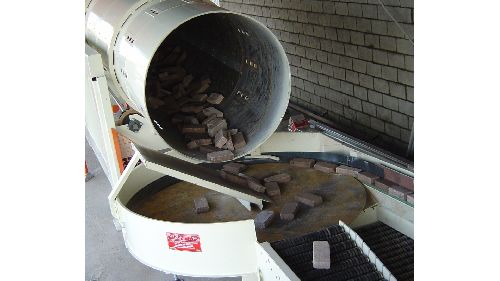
243 59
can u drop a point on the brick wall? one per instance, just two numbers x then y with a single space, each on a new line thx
349 61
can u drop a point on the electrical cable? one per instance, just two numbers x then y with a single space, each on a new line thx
395 21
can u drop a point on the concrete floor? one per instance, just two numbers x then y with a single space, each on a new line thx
106 258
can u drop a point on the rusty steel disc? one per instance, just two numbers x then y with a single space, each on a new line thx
344 198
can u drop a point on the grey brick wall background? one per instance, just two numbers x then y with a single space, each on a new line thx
349 61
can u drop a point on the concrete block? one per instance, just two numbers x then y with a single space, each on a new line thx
377 124
409 63
366 81
351 50
393 130
397 90
338 47
198 87
325 167
272 188
347 88
316 67
199 98
396 60
208 148
355 10
345 62
410 198
193 129
346 170
359 65
405 77
384 184
365 53
406 107
264 219
375 97
390 73
363 119
302 162
390 102
352 77
238 140
374 69
321 56
402 15
192 108
381 85
208 119
318 31
367 178
384 114
192 145
355 103
399 119
236 179
328 7
255 185
201 205
399 192
209 111
407 3
191 120
380 57
187 80
343 35
220 156
309 199
372 41
229 144
398 178
201 139
405 135
339 73
388 43
215 98
349 23
357 38
379 27
289 210
394 30
341 8
369 108
220 139
215 126
279 178
321 255
404 46
327 69
369 11
234 168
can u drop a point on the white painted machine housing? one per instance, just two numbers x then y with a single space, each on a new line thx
128 34
228 249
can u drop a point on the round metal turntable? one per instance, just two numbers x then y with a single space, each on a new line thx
344 198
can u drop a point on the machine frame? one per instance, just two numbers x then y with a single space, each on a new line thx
234 242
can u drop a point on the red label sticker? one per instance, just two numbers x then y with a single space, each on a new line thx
184 242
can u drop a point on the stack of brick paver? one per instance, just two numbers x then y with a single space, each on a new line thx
183 98
393 182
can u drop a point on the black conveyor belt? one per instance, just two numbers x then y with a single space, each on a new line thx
347 260
393 248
